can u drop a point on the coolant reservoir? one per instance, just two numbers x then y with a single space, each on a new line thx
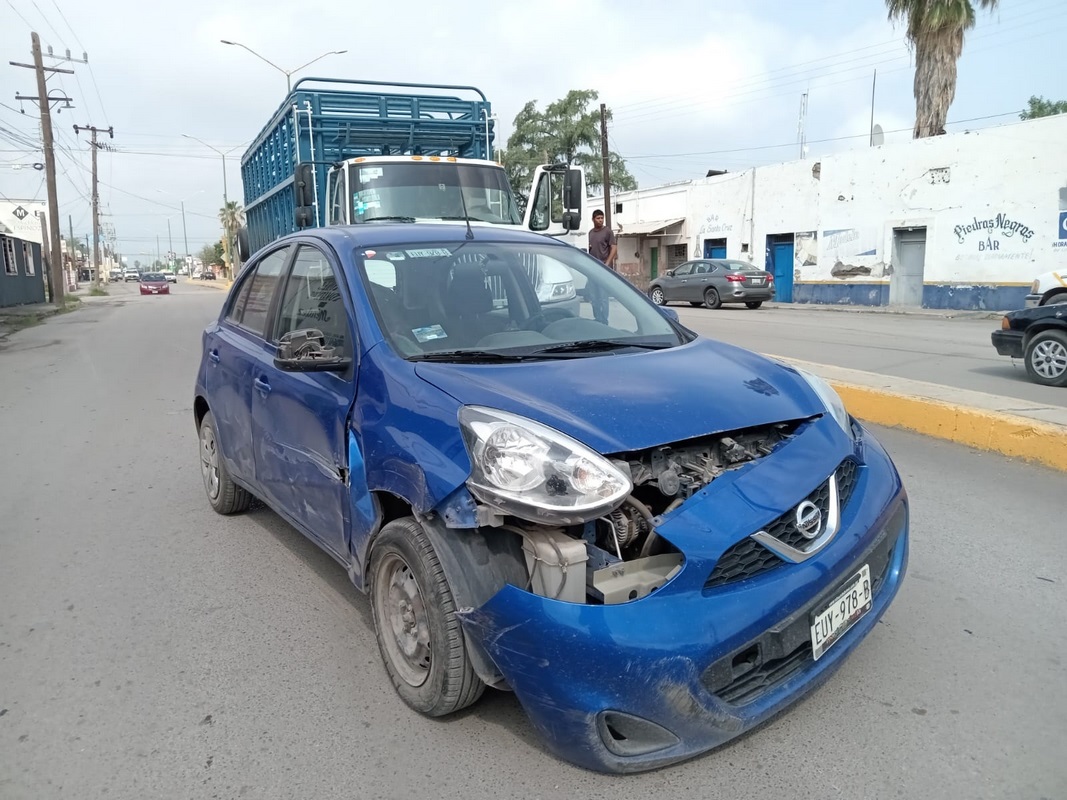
556 563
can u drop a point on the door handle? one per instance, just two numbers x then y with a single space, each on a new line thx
213 356
261 386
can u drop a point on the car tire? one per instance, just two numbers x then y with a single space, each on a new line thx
657 296
1046 358
753 304
419 636
712 299
225 496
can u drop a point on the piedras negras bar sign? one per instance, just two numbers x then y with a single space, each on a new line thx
1000 225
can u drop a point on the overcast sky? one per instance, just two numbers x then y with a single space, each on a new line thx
694 84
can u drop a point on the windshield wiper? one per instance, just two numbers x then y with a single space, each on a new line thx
599 345
469 356
464 219
388 219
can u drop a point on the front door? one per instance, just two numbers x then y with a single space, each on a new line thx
906 283
676 286
782 267
299 418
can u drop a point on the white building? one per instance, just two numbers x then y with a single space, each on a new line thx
964 220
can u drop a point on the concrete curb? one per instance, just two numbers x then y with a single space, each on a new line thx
1011 427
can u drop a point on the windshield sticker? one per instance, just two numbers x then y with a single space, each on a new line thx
429 333
430 252
370 253
370 173
394 256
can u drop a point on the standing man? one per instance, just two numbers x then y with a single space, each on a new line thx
603 248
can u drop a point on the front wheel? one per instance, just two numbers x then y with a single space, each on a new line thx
711 299
658 297
753 304
1046 358
419 636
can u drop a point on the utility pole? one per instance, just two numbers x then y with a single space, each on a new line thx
96 198
607 163
874 83
170 246
46 257
44 102
185 236
800 123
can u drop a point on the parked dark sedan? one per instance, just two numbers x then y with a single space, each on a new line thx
712 283
1039 337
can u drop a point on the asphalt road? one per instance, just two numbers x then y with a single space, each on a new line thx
953 352
152 649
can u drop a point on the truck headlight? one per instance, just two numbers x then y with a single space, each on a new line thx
830 399
531 471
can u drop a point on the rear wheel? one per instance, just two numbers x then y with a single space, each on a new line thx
658 297
1046 358
753 304
711 298
225 496
419 636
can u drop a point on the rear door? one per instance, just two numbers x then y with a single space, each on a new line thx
232 350
299 418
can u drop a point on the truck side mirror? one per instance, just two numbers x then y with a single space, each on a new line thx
304 216
572 220
572 192
303 181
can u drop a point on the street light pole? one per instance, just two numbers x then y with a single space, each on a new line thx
288 73
185 237
170 245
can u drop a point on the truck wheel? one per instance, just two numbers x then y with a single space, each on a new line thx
225 496
711 299
415 622
1046 358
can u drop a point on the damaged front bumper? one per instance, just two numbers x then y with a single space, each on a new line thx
631 687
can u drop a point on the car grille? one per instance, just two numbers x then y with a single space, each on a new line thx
750 672
748 558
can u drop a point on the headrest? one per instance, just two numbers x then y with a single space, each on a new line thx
469 293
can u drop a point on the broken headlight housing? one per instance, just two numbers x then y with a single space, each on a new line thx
531 471
830 399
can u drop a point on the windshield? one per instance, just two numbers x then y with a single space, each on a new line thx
431 190
494 301
148 277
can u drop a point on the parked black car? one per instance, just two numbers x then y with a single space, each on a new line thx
1039 337
712 282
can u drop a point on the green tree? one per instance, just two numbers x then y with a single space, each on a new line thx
232 217
207 254
566 132
935 31
1040 107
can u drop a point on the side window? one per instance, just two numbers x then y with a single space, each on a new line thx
237 307
685 269
261 288
540 215
312 299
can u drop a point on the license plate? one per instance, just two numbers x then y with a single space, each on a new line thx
757 280
844 611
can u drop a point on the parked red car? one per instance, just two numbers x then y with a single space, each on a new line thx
154 283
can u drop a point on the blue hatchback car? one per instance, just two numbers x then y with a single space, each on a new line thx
655 540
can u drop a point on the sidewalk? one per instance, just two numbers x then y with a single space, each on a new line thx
936 313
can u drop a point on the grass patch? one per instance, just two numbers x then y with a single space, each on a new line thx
17 323
97 291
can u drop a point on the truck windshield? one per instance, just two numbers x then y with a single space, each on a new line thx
431 190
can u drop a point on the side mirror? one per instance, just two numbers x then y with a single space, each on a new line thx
669 312
572 192
304 216
306 351
572 220
304 183
669 273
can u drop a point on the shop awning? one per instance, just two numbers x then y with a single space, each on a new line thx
645 228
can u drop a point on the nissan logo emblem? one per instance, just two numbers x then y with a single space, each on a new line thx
809 519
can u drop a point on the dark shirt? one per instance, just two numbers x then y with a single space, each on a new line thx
600 242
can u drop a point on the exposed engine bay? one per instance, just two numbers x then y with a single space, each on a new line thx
618 557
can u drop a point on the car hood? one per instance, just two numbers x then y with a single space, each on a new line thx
629 401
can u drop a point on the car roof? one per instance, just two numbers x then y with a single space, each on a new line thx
384 234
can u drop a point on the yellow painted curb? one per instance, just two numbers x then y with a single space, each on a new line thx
1018 437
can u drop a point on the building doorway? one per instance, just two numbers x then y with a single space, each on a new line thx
780 264
906 283
714 248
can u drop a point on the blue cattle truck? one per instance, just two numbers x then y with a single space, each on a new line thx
340 152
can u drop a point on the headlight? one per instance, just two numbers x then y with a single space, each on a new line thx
534 472
555 292
829 398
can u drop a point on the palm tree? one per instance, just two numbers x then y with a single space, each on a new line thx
232 217
935 30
